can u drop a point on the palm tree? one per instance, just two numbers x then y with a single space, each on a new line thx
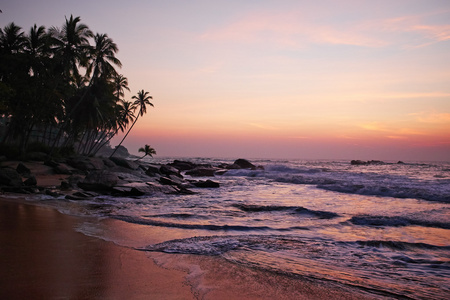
147 151
120 84
141 101
103 58
72 46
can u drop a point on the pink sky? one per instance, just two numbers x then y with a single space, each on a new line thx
278 79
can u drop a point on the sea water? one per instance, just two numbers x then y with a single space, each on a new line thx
382 228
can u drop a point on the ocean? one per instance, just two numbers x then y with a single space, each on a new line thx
383 228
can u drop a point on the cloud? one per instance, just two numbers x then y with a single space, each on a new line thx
433 118
296 30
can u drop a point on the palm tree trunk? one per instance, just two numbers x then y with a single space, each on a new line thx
135 120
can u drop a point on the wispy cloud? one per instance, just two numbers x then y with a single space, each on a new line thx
295 29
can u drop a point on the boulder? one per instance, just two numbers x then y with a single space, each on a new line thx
31 181
62 169
100 181
358 162
168 170
152 170
244 164
206 184
10 177
86 163
182 165
169 181
201 172
23 170
122 162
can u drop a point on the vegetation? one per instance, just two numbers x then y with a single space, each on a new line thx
147 151
59 87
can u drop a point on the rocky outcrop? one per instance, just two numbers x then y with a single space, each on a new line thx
10 177
122 162
205 184
86 163
365 163
202 172
99 181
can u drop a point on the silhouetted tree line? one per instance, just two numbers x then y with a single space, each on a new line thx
59 87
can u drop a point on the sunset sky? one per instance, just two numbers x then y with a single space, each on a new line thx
342 79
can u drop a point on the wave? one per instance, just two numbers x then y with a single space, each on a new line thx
212 227
397 245
294 209
218 245
396 221
425 192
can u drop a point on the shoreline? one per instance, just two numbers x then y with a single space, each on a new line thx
43 256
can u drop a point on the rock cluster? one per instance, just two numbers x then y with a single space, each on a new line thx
91 176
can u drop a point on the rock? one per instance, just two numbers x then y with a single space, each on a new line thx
152 170
31 181
358 162
365 163
127 191
74 180
206 184
169 181
168 170
100 181
51 193
400 162
244 164
122 162
182 165
10 177
201 172
109 163
65 186
23 170
86 163
51 163
62 169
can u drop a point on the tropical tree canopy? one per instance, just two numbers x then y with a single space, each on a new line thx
59 87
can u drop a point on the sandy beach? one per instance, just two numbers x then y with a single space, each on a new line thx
43 257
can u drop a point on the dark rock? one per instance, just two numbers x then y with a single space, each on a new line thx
10 177
52 193
65 186
400 162
74 180
168 170
62 169
244 164
365 163
127 191
31 181
73 197
100 181
109 163
182 165
168 181
122 162
86 163
201 172
358 162
23 170
206 184
51 163
152 170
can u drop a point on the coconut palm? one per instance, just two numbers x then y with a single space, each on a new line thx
141 101
147 151
72 46
103 58
12 39
120 84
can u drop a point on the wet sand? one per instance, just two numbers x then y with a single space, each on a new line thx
43 257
